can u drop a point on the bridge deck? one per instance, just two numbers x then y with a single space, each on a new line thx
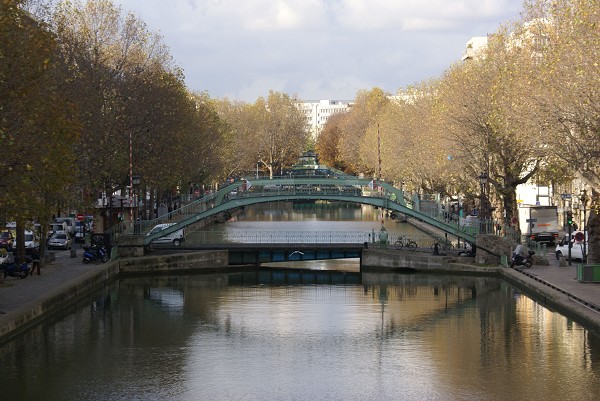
364 191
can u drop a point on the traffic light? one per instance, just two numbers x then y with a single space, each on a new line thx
569 218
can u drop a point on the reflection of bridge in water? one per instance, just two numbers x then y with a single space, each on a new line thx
244 193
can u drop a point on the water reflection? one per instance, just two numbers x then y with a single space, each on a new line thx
296 334
302 331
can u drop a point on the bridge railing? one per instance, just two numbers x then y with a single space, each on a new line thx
424 242
343 187
141 227
276 237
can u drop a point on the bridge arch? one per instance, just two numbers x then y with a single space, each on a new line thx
243 193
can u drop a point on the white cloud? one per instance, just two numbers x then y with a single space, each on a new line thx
316 48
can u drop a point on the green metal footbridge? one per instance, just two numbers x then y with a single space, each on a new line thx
241 193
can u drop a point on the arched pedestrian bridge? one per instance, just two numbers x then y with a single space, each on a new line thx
243 193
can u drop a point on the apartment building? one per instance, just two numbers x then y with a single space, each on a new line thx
319 111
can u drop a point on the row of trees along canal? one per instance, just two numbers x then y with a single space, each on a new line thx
526 107
84 83
90 96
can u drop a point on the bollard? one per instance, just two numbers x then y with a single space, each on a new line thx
73 253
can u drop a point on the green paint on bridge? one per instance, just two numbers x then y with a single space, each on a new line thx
243 193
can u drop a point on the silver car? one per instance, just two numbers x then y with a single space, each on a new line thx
59 241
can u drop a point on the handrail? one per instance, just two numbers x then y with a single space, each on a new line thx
360 190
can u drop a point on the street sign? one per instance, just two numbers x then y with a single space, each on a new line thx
80 217
531 220
565 196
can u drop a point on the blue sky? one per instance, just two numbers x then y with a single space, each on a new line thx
316 49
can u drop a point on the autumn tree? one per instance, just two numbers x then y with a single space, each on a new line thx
37 126
566 95
487 108
107 54
413 147
282 133
271 132
328 142
362 117
241 123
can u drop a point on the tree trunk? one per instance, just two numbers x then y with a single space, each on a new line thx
511 208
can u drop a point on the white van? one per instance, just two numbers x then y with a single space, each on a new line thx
69 221
175 238
57 228
32 242
562 249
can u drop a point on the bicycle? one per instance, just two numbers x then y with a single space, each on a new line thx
404 242
441 247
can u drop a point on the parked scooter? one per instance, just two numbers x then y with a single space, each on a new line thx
518 260
13 269
95 254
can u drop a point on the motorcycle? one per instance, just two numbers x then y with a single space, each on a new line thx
518 260
13 269
95 254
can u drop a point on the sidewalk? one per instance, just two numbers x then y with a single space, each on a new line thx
560 284
17 293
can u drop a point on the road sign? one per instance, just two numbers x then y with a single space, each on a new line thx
80 217
579 236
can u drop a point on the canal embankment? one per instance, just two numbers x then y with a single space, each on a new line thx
64 281
25 303
552 285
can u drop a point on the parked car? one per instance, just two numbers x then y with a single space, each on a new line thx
57 228
59 241
7 240
562 249
175 238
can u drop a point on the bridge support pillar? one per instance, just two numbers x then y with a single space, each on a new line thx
131 246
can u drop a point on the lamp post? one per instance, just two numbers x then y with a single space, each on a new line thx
135 182
483 180
584 198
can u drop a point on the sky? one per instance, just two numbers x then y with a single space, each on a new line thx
316 49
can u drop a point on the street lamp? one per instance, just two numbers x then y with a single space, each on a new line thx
584 198
483 180
133 198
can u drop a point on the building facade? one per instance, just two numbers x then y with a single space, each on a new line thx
319 111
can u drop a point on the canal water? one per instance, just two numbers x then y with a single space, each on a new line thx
304 334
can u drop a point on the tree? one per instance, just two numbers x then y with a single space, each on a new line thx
488 108
112 60
567 95
362 116
240 125
328 142
37 126
282 134
410 134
